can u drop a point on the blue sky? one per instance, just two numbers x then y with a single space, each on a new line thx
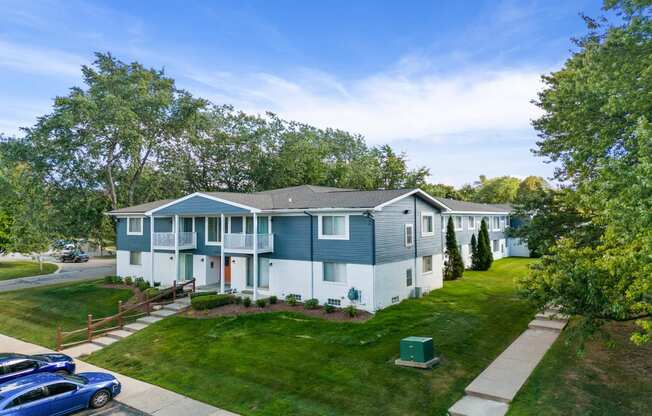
448 82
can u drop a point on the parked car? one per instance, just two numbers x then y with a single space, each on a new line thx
76 256
55 395
18 365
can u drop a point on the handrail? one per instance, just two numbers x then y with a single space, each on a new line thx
92 325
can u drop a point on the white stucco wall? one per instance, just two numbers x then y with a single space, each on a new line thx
239 273
164 268
391 281
502 249
123 268
434 279
289 277
213 273
358 276
199 266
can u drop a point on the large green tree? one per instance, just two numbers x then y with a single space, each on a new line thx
596 127
453 265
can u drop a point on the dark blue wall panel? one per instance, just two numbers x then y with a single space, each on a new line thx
200 205
132 242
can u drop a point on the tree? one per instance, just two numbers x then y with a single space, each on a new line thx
497 190
530 187
453 266
475 254
596 127
441 190
485 256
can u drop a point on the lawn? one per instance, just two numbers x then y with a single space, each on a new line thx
614 380
19 268
32 314
288 363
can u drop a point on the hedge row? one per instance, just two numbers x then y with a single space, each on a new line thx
210 301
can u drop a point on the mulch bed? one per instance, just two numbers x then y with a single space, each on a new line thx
234 310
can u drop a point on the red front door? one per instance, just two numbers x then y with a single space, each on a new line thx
227 270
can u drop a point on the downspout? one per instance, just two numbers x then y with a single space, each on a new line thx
312 263
416 271
370 215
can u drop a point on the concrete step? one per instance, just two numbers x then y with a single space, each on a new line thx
136 326
81 349
547 324
148 319
177 306
163 313
551 315
104 341
476 406
184 300
118 334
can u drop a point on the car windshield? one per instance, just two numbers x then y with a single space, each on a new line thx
76 378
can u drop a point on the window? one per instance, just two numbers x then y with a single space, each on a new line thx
426 262
495 244
334 302
135 258
471 223
21 366
409 235
263 225
31 396
333 227
134 226
213 231
60 388
458 223
496 223
427 224
395 299
408 277
335 272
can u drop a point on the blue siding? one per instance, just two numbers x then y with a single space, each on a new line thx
200 205
431 244
132 242
202 248
163 225
292 240
236 225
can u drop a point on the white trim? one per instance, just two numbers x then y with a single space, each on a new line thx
405 234
455 222
432 264
344 236
331 282
474 221
141 226
212 243
432 216
412 192
224 201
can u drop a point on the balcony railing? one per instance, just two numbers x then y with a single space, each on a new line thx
245 242
187 240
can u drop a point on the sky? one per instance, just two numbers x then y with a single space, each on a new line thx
448 82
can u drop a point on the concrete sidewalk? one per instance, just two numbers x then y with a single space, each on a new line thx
144 397
68 272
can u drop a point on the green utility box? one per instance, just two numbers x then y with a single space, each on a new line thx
417 352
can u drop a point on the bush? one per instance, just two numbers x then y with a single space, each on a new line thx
129 281
141 283
273 300
151 292
238 300
328 308
157 284
210 301
291 300
210 292
246 302
261 303
112 280
311 304
351 311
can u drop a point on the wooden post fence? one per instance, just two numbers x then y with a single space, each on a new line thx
121 321
89 327
174 291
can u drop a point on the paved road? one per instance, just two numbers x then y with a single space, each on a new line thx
69 272
112 409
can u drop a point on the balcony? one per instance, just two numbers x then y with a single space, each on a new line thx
244 243
165 241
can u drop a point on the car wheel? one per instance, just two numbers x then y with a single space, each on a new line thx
100 398
62 372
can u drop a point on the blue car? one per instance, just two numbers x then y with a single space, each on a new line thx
18 365
47 394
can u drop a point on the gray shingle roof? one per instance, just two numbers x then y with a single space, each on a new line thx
465 206
139 209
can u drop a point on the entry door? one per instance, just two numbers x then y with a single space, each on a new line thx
185 267
227 270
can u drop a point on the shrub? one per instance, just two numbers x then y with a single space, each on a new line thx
210 292
311 304
485 256
151 292
238 300
328 308
246 302
291 300
210 301
351 311
109 280
261 303
129 280
453 265
157 284
273 300
141 283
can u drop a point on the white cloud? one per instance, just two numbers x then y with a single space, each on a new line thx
31 59
403 103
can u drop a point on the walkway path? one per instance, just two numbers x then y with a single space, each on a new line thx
492 391
138 395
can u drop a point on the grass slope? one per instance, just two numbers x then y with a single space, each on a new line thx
604 381
32 314
288 363
19 268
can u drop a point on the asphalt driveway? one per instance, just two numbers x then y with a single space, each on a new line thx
69 272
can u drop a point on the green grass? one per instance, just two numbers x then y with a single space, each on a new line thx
288 363
32 314
19 268
607 381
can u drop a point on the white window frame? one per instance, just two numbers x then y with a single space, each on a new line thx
432 264
129 219
471 217
323 274
432 219
444 224
410 233
213 243
461 227
495 219
344 236
409 274
140 258
495 243
193 224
